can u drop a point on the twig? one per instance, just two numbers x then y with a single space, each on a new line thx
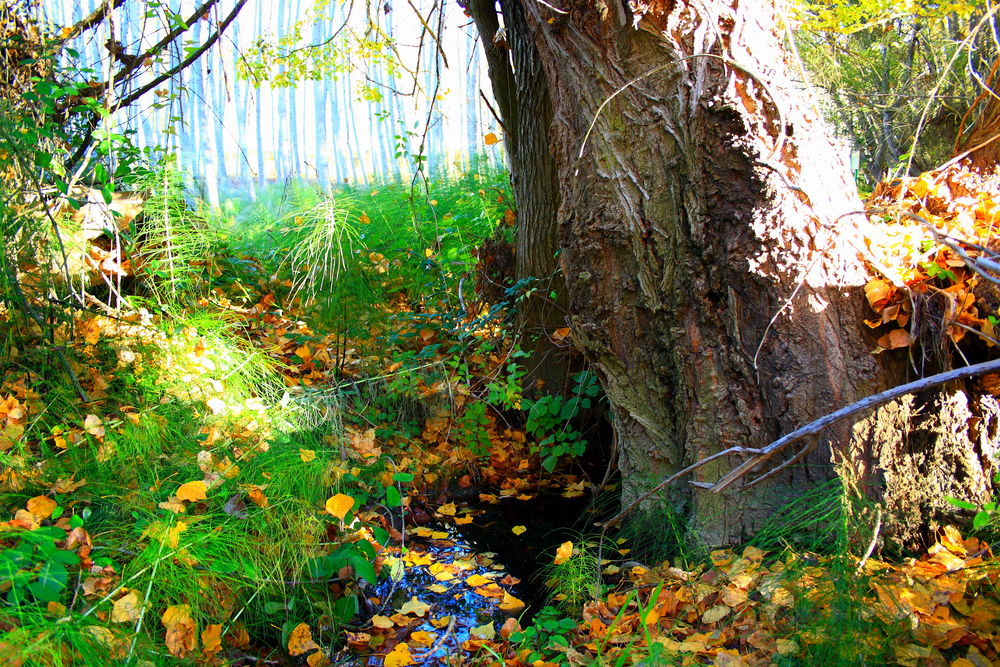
436 646
871 545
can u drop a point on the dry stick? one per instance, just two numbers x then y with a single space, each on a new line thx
871 545
864 404
694 466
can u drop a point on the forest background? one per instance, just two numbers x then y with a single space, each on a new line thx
293 370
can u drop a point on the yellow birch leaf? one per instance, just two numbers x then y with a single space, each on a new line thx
448 509
484 631
318 659
511 605
192 491
300 640
414 606
41 507
518 530
477 580
127 608
307 455
339 505
383 622
563 553
399 656
423 638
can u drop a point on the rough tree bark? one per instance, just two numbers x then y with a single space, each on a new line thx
708 194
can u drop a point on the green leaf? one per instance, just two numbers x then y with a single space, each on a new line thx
363 568
52 579
982 518
393 497
961 504
107 191
403 477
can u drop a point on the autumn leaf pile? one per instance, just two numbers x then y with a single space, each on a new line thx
922 287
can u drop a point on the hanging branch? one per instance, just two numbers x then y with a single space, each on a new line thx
134 62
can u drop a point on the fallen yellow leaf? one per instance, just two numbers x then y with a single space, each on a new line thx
127 608
414 606
211 639
399 656
518 530
182 637
339 505
42 507
307 455
192 491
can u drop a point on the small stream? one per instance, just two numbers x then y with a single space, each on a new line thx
453 584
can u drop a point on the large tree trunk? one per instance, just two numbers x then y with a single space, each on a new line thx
707 195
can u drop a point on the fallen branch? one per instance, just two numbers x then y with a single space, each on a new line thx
860 406
763 454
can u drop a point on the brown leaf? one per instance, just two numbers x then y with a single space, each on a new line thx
182 635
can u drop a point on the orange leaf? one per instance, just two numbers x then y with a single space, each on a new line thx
895 339
563 553
41 506
491 139
339 505
300 640
192 491
256 495
211 639
879 293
